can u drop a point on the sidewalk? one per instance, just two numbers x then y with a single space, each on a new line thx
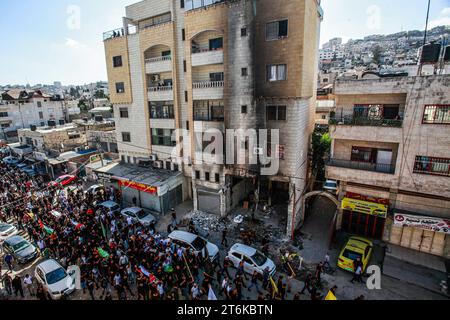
415 267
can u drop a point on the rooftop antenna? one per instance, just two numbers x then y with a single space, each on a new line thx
425 34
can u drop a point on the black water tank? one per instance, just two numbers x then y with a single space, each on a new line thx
447 53
430 53
33 127
52 123
62 122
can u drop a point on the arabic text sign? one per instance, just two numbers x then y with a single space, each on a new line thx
427 223
138 186
370 208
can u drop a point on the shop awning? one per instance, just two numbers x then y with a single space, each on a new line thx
422 222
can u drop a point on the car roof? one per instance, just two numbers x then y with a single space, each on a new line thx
109 204
359 243
6 224
242 248
49 265
133 209
14 240
183 235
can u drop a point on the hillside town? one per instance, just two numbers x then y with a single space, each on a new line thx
216 164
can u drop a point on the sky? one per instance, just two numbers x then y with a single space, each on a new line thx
61 40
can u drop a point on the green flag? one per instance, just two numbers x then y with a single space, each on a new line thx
103 253
49 230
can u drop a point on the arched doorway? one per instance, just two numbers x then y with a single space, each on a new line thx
318 228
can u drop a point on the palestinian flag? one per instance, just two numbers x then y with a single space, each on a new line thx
103 253
77 225
48 230
146 273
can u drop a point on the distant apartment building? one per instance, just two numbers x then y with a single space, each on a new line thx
21 109
326 54
57 139
197 65
391 154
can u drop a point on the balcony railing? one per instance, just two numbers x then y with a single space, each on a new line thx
208 118
208 84
160 88
366 122
117 33
365 166
158 59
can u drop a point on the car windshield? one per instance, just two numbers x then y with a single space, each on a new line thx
259 259
198 243
352 255
330 185
141 214
56 276
115 208
4 227
20 245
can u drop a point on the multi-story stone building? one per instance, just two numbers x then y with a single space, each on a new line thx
391 155
208 64
20 109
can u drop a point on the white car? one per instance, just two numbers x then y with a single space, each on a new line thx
254 260
198 244
54 278
94 189
7 231
331 186
138 215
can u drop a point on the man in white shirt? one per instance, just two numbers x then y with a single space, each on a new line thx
28 281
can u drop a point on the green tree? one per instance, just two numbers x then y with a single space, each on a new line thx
321 142
377 53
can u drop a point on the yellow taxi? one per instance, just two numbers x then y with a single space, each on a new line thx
356 247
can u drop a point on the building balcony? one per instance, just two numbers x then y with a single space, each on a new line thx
207 57
158 64
203 124
212 90
160 93
367 122
363 166
374 130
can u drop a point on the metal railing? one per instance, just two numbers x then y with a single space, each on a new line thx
366 122
200 117
158 59
196 51
208 84
116 33
160 88
365 166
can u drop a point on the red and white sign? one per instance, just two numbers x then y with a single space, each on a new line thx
427 223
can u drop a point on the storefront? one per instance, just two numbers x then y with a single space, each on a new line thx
364 215
421 233
152 189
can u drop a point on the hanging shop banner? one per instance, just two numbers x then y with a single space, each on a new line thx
138 186
427 223
370 208
357 196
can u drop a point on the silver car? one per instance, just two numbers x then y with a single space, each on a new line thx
138 215
22 250
7 231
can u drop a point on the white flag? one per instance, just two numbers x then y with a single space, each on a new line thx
211 294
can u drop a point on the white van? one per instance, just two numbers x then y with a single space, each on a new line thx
198 244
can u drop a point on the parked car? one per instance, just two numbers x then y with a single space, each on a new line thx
30 171
10 160
196 243
139 215
110 206
22 250
54 278
21 166
331 186
64 180
356 247
94 189
254 260
7 231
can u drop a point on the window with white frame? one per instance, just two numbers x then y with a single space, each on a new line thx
276 72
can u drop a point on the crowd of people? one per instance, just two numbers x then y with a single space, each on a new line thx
118 258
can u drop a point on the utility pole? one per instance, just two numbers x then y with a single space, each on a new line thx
424 38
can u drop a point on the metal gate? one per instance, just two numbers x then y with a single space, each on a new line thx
418 239
208 201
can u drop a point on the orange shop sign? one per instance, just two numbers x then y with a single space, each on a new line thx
138 186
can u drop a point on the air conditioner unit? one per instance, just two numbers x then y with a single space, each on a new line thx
158 164
153 157
258 151
155 78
